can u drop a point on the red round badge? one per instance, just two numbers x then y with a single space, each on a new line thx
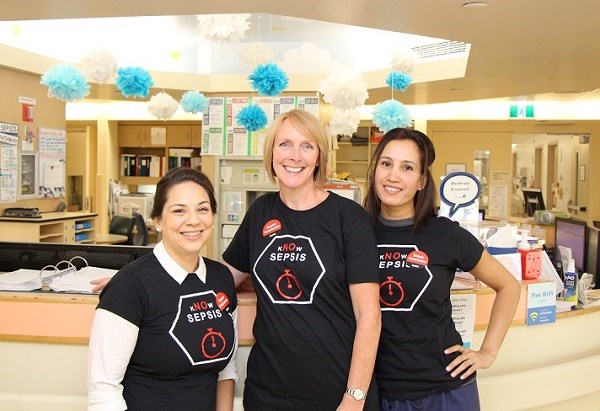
418 257
271 227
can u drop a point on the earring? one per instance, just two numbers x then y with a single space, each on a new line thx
158 229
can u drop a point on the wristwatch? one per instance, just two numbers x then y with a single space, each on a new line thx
356 393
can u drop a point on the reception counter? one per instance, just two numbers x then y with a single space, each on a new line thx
43 352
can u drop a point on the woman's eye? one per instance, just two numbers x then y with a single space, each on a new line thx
385 163
284 145
178 211
204 210
308 147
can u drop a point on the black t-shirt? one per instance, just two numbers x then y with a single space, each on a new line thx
301 264
184 338
416 275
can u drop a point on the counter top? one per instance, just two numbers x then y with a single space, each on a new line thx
52 216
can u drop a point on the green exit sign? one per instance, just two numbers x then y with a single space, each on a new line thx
521 111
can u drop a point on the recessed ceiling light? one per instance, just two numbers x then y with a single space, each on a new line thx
475 5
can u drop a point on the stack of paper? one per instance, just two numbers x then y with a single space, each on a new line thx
27 280
79 281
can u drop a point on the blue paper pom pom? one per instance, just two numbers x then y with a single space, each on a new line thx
134 82
65 83
398 81
268 79
193 102
253 118
391 114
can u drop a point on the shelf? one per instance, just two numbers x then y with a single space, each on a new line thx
136 181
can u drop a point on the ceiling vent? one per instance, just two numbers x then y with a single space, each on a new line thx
445 48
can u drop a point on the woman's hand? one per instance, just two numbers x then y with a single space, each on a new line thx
468 361
99 283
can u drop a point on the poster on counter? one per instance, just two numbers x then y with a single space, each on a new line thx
541 303
463 315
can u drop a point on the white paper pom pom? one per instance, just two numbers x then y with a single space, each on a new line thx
344 122
162 106
256 54
404 61
344 88
223 28
99 66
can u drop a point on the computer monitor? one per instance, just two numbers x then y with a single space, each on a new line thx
592 264
572 233
533 200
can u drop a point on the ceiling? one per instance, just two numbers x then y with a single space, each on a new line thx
520 50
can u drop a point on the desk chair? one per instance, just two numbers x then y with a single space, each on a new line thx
140 230
122 224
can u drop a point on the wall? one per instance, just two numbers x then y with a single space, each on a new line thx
48 113
455 141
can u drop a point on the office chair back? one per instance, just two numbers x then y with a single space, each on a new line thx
122 224
140 230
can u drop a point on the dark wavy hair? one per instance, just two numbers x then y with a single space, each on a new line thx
424 199
177 176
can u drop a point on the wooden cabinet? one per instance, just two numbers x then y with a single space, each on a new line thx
143 143
134 135
182 135
69 227
354 152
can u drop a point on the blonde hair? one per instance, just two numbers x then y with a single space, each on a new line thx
310 127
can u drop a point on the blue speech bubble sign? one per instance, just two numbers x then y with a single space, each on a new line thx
458 190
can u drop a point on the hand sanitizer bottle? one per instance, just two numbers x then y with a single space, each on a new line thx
570 280
531 260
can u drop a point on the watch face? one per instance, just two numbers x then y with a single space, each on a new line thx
357 393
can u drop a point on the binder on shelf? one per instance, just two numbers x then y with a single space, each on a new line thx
82 225
144 166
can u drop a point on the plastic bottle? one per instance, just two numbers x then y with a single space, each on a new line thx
531 259
570 280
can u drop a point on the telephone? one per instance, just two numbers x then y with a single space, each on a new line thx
22 212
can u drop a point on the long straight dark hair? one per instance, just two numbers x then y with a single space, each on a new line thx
424 199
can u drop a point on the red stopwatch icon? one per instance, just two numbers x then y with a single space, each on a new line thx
288 286
391 292
213 344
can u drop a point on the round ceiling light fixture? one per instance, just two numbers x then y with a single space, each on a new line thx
475 5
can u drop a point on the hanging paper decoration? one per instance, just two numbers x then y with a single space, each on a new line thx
398 81
223 28
344 89
193 102
65 83
162 106
268 79
253 118
404 61
344 122
134 82
256 54
99 66
391 114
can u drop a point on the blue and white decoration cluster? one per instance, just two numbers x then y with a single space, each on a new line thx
268 80
391 113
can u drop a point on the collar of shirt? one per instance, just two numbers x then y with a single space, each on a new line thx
174 269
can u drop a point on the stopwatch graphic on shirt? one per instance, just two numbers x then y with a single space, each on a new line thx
289 269
203 327
404 276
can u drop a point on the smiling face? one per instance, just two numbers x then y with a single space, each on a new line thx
186 223
295 158
398 176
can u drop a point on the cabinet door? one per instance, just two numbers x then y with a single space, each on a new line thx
133 135
179 135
